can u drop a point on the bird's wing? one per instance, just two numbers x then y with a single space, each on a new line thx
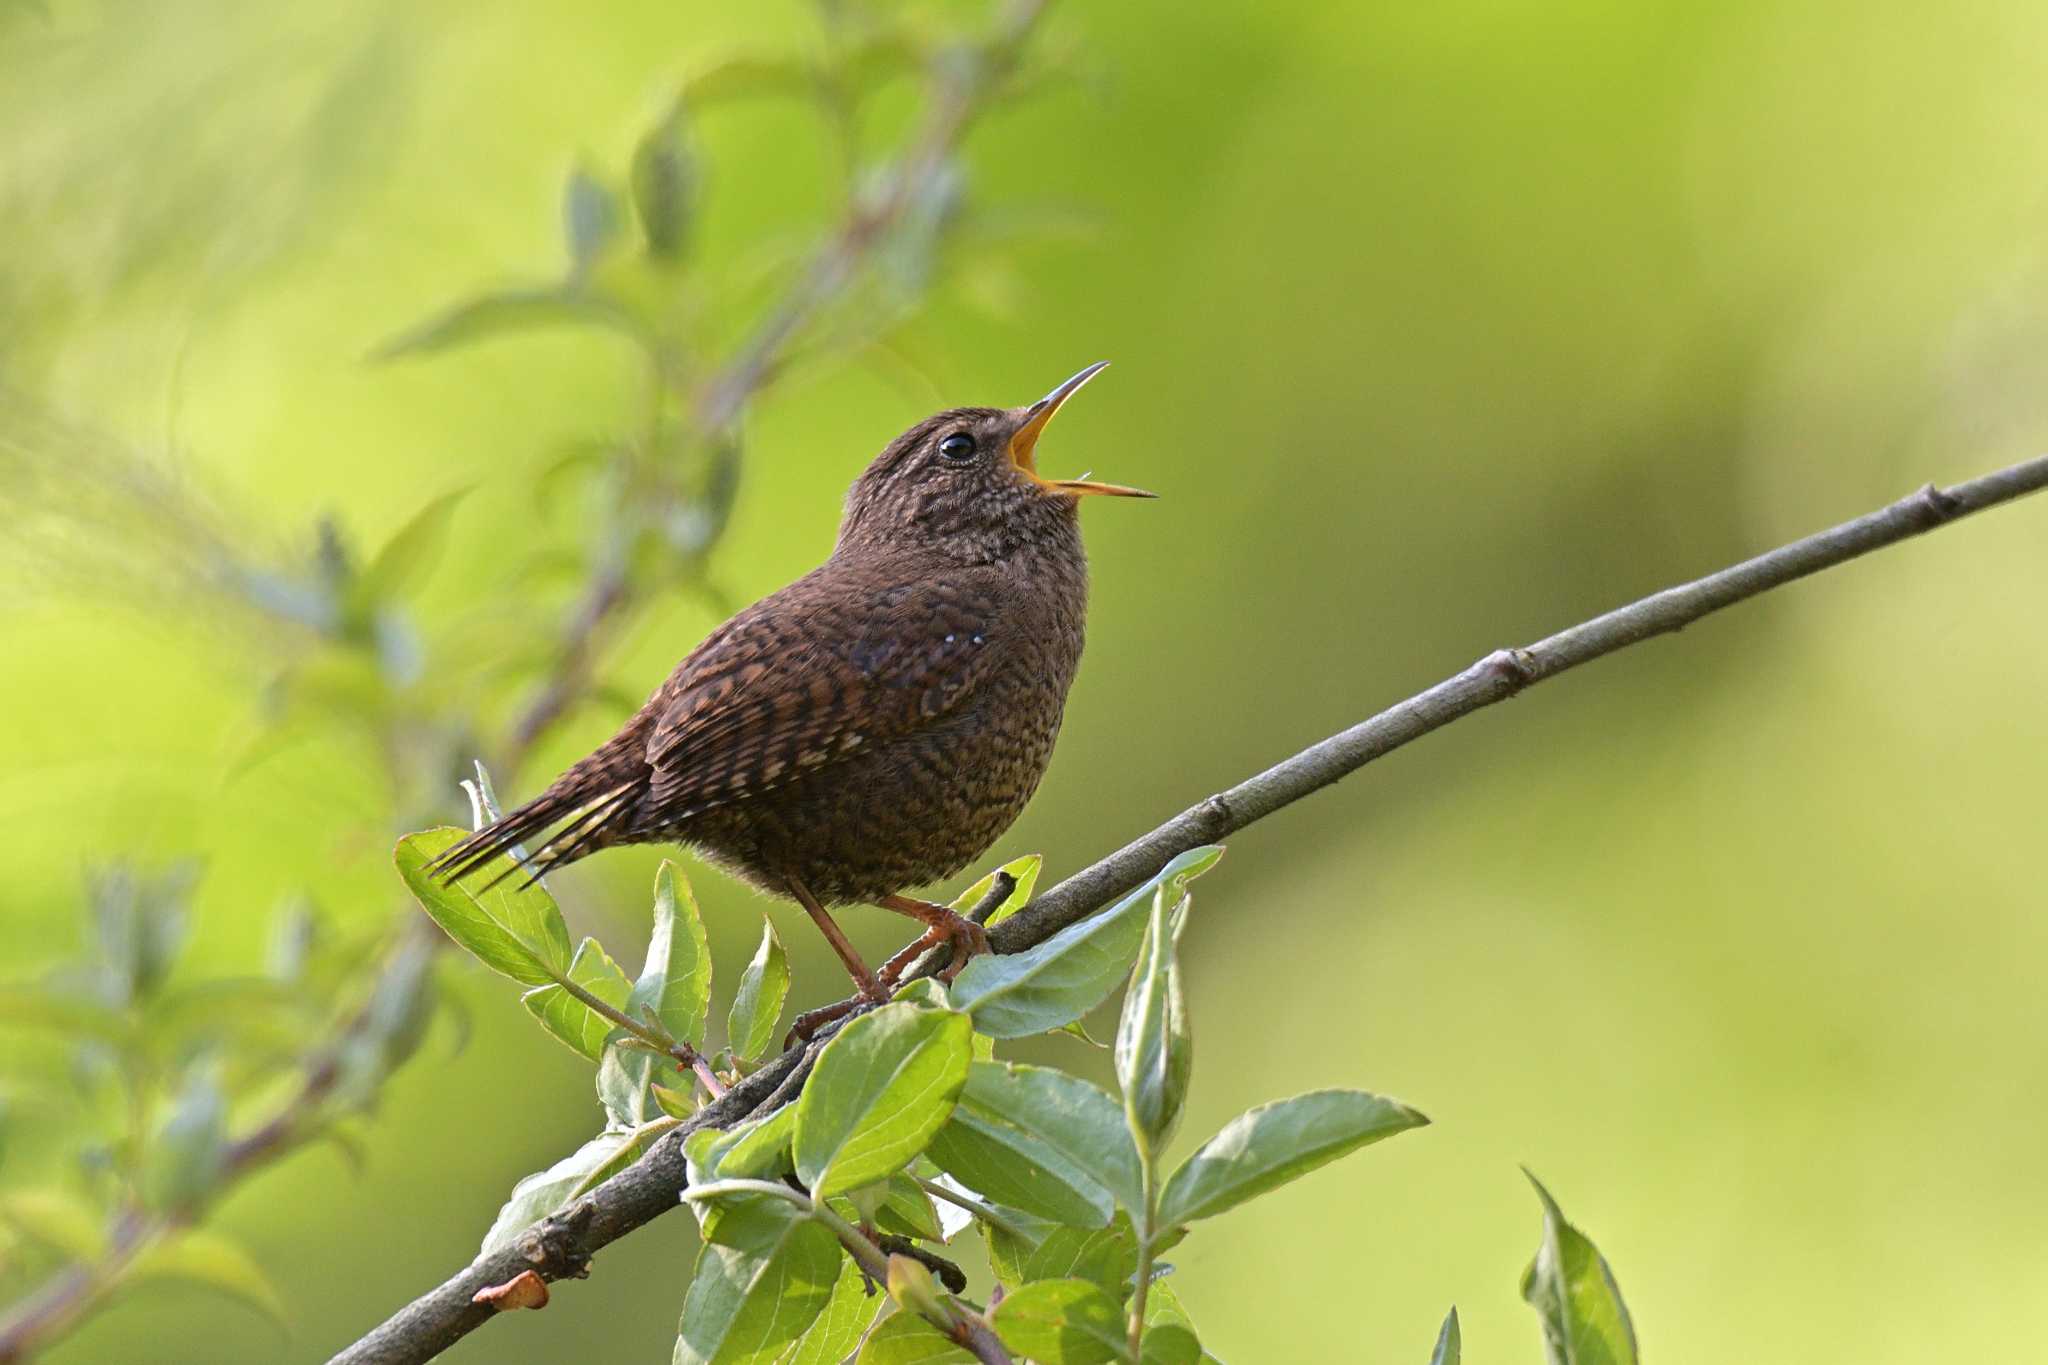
807 678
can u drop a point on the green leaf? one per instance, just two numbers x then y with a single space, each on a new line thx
632 1146
907 1339
1062 1322
519 933
185 1160
758 1004
764 1275
543 1192
833 1337
1013 995
1155 1052
882 1087
1042 1141
627 1079
590 219
568 1018
755 1150
898 1205
1449 1346
56 1219
1023 871
411 551
1266 1147
675 983
1169 1333
28 1004
1572 1289
664 186
492 315
1102 1256
209 1259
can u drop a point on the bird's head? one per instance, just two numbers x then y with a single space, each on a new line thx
966 481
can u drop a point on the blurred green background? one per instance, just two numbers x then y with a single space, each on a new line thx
1438 327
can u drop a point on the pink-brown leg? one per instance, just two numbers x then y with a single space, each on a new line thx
941 926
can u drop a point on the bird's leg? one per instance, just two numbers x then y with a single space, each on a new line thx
941 926
863 979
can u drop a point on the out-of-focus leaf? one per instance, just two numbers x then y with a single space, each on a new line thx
56 1219
1264 1148
675 982
907 1339
590 219
764 1274
493 315
519 933
1013 995
185 1159
1449 1342
758 1004
394 1022
664 186
838 1329
882 1087
1061 1322
411 551
1042 1141
541 1193
29 1004
568 1018
1022 871
206 1258
141 923
735 77
1572 1289
1155 1051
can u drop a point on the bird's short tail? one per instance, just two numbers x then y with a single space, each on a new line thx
585 809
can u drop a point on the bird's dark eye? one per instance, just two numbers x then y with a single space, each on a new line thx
958 448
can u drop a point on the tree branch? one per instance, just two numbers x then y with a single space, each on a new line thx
653 1186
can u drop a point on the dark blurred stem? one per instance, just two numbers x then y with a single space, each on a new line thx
606 597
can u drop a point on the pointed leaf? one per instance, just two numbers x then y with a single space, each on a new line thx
882 1087
185 1161
1105 1256
758 1004
1169 1334
664 186
56 1219
907 1339
543 1192
1042 1141
491 315
676 981
209 1259
1449 1346
629 1078
1571 1287
764 1275
1023 872
1155 1051
755 1150
519 933
1266 1147
632 1146
1062 1322
411 551
568 1018
1013 995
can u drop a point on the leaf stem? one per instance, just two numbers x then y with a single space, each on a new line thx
985 1212
1147 1231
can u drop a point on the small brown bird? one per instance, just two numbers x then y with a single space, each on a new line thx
876 724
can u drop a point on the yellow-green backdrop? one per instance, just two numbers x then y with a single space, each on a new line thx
1437 326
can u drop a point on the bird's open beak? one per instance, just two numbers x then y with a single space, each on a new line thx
1024 445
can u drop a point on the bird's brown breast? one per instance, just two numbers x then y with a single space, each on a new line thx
872 727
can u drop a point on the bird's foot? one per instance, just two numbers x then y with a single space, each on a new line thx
941 926
807 1025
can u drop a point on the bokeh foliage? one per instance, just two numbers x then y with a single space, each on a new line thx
1438 327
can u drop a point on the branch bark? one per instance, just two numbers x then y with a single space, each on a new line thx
561 1244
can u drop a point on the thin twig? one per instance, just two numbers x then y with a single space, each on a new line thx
651 1187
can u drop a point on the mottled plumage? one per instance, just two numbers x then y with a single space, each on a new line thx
879 722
